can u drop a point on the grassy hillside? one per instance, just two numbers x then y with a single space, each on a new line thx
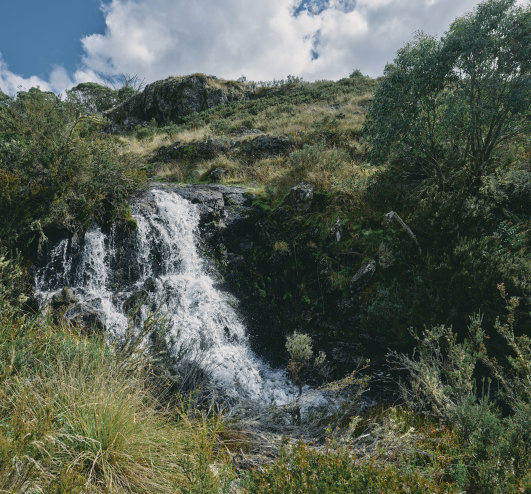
412 248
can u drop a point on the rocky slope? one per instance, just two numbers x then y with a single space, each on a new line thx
167 100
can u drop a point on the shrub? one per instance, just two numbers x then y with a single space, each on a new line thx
61 171
302 469
443 374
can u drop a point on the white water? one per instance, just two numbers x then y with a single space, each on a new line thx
201 318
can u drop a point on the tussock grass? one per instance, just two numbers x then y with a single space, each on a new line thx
145 147
78 416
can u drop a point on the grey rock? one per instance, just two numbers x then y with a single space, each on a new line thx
362 276
336 231
264 146
217 174
167 100
210 148
93 321
206 196
64 299
301 196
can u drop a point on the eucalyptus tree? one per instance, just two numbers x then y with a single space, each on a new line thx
446 105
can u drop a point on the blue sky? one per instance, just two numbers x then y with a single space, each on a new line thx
58 43
36 35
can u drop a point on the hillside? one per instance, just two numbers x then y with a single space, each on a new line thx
284 286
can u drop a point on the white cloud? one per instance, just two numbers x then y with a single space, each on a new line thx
10 82
260 39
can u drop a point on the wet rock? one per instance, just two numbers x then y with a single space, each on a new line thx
150 285
93 321
217 174
64 299
301 196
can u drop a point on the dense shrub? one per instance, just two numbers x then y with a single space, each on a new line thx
491 417
57 170
304 470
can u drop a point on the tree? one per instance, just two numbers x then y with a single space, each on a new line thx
445 106
93 97
96 98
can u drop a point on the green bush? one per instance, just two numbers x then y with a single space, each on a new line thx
491 418
305 470
57 170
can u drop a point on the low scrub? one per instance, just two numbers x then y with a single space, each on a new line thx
305 470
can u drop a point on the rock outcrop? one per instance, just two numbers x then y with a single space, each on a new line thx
301 196
168 100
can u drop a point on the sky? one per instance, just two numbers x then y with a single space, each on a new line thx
57 44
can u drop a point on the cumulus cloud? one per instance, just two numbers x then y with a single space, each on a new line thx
10 82
58 81
261 39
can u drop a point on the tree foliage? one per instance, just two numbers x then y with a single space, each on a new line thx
57 170
451 122
445 106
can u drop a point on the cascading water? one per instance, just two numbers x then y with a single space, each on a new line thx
201 318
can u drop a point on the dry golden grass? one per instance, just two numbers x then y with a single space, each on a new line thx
85 420
145 147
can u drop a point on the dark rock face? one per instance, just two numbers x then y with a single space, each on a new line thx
301 196
217 174
265 146
168 100
363 275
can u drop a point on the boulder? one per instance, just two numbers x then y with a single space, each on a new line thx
93 321
64 299
264 146
168 100
217 174
203 195
301 196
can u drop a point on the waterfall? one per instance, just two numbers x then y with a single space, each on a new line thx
165 266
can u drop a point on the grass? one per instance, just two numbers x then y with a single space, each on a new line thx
305 470
323 121
78 416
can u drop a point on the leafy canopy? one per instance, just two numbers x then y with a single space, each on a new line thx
446 105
